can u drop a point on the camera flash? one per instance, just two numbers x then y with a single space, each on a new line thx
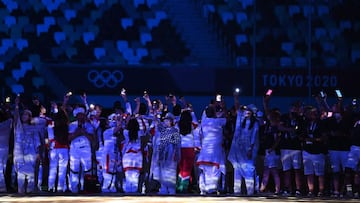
237 90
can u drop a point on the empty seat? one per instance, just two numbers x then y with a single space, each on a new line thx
138 2
320 32
160 15
355 54
16 32
300 61
41 28
10 21
5 46
59 37
150 3
293 9
288 47
330 61
95 14
286 62
242 61
130 57
87 37
145 37
26 66
35 60
56 52
127 22
241 38
240 16
345 24
49 20
21 44
38 82
17 74
281 14
7 43
308 10
10 5
142 52
328 47
226 16
50 5
156 53
99 52
122 45
99 2
70 52
23 20
152 22
246 3
333 32
207 9
109 46
2 65
17 89
322 10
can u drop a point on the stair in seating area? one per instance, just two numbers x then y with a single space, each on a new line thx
197 34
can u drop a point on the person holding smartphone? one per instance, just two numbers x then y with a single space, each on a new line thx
27 147
314 150
81 134
211 159
244 148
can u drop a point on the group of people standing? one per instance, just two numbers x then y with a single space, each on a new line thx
162 147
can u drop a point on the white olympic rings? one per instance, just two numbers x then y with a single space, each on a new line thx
105 78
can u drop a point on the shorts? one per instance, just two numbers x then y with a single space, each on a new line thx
353 158
291 159
314 164
338 160
272 160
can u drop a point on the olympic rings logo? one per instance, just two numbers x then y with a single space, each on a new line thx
105 78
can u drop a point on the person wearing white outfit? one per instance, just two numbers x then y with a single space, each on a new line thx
109 154
211 159
244 148
26 150
5 128
81 134
132 157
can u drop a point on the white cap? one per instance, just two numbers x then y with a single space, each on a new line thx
252 108
78 110
169 116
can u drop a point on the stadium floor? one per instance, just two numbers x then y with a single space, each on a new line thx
105 198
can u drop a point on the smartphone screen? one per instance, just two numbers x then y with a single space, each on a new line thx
329 114
322 94
268 92
338 93
123 91
218 98
354 102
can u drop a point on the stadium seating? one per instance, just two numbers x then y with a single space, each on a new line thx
139 32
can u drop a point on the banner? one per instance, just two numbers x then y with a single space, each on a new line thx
108 80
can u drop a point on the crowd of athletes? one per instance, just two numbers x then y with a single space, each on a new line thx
161 147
